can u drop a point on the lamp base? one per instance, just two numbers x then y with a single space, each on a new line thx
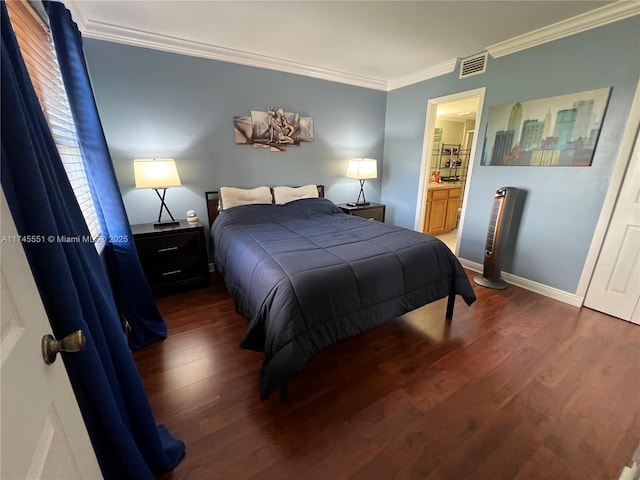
167 223
358 204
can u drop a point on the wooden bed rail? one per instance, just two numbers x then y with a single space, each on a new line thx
213 202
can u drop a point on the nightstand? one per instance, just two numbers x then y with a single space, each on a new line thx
173 257
373 211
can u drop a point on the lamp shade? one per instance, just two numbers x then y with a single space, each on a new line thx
156 173
363 168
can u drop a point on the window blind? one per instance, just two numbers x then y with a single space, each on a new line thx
36 45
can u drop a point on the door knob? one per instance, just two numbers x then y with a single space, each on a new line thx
74 342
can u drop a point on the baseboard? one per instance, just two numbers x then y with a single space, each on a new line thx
547 291
632 472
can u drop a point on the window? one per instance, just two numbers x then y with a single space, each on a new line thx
40 58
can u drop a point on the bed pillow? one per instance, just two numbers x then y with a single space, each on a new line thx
283 195
233 197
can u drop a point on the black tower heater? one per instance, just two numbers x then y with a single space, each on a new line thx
497 235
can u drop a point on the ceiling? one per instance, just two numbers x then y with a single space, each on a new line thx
369 43
458 111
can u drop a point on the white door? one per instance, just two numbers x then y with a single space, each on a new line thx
615 286
42 432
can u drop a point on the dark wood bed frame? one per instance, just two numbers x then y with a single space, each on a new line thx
213 203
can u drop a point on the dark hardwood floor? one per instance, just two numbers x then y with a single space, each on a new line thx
517 386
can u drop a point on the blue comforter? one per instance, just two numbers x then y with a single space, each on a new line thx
306 276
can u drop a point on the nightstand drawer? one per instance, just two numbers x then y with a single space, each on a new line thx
169 257
167 246
373 211
172 269
172 257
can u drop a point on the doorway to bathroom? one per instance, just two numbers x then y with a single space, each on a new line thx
449 148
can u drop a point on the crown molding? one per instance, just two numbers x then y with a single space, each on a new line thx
580 23
76 15
424 74
139 38
113 33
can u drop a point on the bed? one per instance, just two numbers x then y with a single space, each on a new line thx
306 275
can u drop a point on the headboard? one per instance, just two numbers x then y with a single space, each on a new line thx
213 202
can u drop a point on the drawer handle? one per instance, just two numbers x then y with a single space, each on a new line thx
172 272
161 250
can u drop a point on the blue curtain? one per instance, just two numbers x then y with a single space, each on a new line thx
73 284
133 295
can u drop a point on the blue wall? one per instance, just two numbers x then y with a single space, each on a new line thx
562 203
158 104
165 105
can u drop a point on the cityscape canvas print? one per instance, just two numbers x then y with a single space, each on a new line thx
554 131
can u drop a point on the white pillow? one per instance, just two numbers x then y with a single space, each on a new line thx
283 195
232 197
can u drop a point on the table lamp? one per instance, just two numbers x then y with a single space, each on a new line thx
158 174
362 169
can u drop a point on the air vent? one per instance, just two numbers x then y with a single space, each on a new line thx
473 65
